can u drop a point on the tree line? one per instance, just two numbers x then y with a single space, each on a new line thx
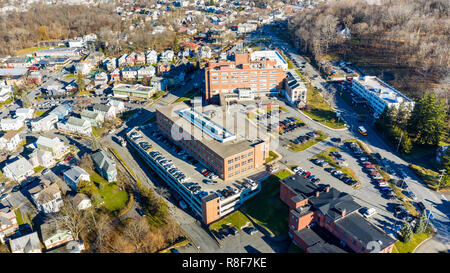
408 37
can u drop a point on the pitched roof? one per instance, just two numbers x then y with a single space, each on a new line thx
19 167
102 107
28 243
103 161
75 172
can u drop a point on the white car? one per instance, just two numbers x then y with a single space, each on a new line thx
369 212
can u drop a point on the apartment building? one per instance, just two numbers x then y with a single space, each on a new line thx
379 94
264 76
219 148
333 211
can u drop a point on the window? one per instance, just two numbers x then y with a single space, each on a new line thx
237 172
250 160
230 168
237 165
243 163
250 154
243 156
329 222
230 161
237 158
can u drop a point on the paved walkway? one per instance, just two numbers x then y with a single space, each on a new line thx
432 246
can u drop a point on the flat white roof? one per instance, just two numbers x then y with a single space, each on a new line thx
382 90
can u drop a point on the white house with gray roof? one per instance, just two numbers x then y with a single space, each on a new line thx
76 125
26 244
18 170
74 176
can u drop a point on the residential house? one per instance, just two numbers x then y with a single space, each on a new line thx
159 83
26 244
70 247
44 124
118 105
41 158
84 67
295 89
24 113
54 233
121 61
140 59
46 196
8 223
101 79
53 145
151 57
10 141
78 42
74 175
205 52
131 59
62 110
108 112
110 64
115 75
35 77
105 165
146 71
76 125
130 73
8 124
18 170
5 91
167 55
81 201
95 118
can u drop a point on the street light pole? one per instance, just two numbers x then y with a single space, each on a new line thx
443 171
398 146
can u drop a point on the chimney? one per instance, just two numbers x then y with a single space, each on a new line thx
344 211
327 189
317 193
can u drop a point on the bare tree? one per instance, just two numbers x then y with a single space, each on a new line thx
74 220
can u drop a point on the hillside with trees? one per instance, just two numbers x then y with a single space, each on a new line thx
404 42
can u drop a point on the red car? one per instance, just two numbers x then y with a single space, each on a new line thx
367 166
373 173
206 173
68 158
380 181
307 174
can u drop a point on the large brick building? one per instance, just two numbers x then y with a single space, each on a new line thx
333 211
264 76
221 149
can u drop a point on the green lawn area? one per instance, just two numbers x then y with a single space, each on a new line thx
272 156
309 143
236 219
98 131
400 247
319 110
29 50
40 113
429 177
39 169
325 155
70 76
18 217
102 191
266 208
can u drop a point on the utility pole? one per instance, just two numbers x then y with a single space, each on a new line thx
443 171
398 146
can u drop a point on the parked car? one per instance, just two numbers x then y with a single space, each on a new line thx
411 195
251 230
421 206
369 212
234 231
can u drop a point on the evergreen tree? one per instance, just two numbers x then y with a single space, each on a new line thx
406 233
25 100
80 82
427 120
402 116
421 223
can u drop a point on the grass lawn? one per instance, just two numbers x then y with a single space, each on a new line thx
320 110
430 177
107 192
40 113
309 143
325 155
39 169
98 131
29 50
236 219
272 156
400 247
18 217
266 208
